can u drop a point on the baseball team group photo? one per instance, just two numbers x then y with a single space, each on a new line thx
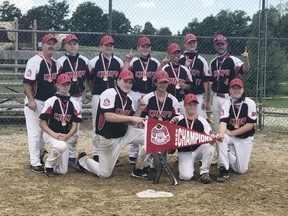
142 123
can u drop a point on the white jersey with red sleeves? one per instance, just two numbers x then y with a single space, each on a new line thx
78 75
113 100
37 75
231 115
166 113
52 113
99 66
223 71
178 74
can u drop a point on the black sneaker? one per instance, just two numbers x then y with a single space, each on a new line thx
49 172
37 169
80 155
118 163
72 162
223 174
132 160
43 152
205 178
96 158
139 173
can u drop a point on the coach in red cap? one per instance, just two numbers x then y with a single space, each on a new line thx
237 121
115 112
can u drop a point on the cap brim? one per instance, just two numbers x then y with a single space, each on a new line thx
162 80
223 42
190 40
195 101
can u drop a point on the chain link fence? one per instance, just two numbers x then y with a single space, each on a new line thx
259 25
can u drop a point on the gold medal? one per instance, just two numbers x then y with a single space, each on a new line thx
177 86
105 78
50 79
63 123
74 79
236 126
160 118
144 78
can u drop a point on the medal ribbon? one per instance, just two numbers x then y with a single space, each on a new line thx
219 68
176 77
121 99
63 115
76 66
158 105
47 65
144 68
187 123
104 65
238 113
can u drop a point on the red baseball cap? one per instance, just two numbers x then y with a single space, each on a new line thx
126 74
143 41
173 48
190 98
70 37
162 76
220 39
236 82
106 40
63 78
48 37
189 37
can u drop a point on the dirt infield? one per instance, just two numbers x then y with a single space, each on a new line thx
262 191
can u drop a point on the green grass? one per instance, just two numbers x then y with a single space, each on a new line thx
277 102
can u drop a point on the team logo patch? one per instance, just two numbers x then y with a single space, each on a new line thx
254 113
28 73
160 135
106 102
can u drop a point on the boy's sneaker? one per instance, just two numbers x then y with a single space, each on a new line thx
205 178
132 160
80 155
118 163
223 174
72 162
37 169
139 173
49 172
43 152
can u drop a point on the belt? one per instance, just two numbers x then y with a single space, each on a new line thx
221 95
77 95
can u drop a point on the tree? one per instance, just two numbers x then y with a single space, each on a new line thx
47 16
149 29
192 27
137 29
87 18
9 11
164 31
120 24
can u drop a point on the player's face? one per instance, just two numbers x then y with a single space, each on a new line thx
144 50
64 88
221 47
191 108
125 85
191 46
107 49
175 56
72 47
236 92
48 48
162 86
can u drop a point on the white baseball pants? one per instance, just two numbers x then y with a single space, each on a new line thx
34 132
109 151
59 155
95 138
238 157
217 104
186 161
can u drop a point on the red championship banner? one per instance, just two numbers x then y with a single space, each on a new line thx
162 136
